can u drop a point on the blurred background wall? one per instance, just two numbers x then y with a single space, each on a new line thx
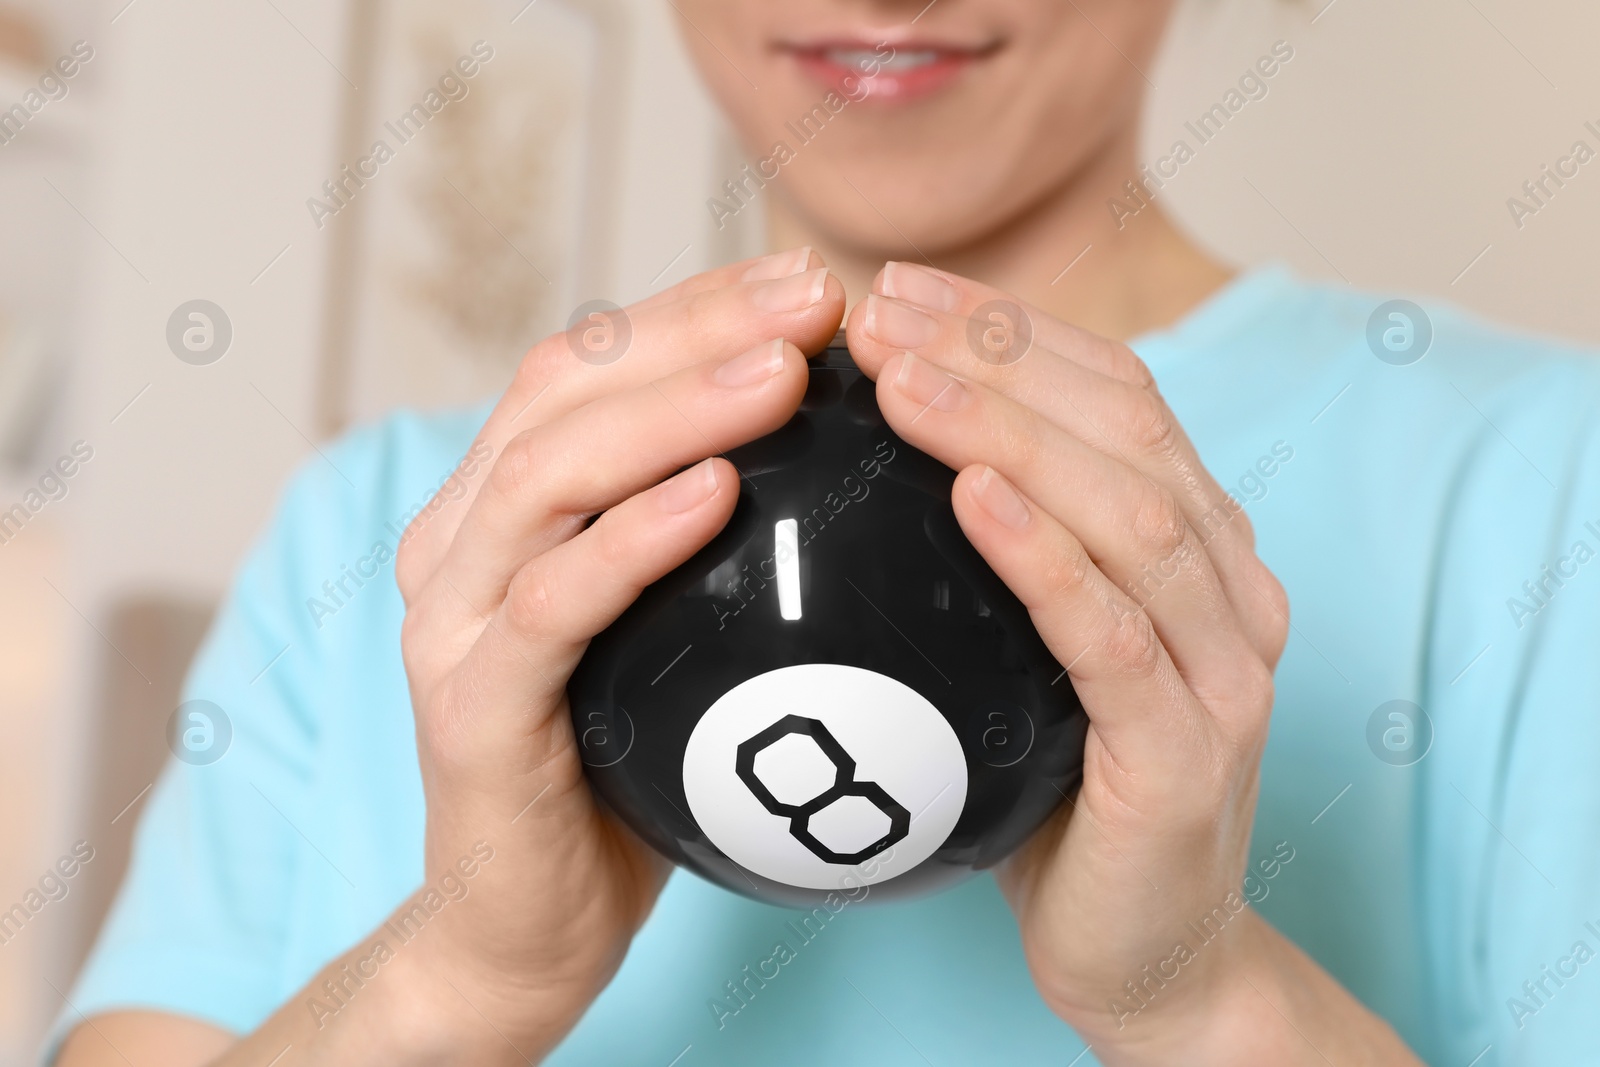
176 163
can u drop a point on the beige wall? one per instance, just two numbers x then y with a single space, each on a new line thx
1391 143
1384 153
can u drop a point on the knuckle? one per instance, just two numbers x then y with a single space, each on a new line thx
1131 368
1273 592
541 365
424 646
411 628
1158 523
409 567
1220 514
519 463
1025 448
530 602
1154 429
611 552
1244 715
1132 645
703 314
1067 573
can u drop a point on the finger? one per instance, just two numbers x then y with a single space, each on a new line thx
1116 417
1132 528
757 268
551 479
1106 412
708 326
558 601
1128 683
995 310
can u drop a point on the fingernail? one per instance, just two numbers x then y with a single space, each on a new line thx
793 293
1002 502
688 489
908 281
929 386
756 365
898 325
778 265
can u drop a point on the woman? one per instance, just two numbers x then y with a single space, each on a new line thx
1418 814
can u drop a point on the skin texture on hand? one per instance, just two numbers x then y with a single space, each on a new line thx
1079 486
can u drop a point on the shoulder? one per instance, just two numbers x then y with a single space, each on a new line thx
364 488
314 790
1410 394
1439 442
1419 344
317 585
1397 411
386 464
1492 424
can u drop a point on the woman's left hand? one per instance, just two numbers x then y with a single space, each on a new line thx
1080 488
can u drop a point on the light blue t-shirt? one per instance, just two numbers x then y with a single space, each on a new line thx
1435 524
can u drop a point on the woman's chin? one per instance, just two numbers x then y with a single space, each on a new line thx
889 209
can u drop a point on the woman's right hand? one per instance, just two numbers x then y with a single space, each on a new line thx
505 587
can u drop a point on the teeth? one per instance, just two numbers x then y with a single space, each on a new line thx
863 60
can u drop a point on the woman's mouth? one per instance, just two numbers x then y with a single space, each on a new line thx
889 73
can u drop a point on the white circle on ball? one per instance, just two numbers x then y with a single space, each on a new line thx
905 757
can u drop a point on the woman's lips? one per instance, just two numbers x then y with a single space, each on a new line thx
888 73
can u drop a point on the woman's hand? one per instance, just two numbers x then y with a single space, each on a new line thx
531 892
505 587
1083 492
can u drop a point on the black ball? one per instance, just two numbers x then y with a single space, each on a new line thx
837 691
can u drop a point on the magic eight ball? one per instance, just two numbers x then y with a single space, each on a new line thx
837 690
